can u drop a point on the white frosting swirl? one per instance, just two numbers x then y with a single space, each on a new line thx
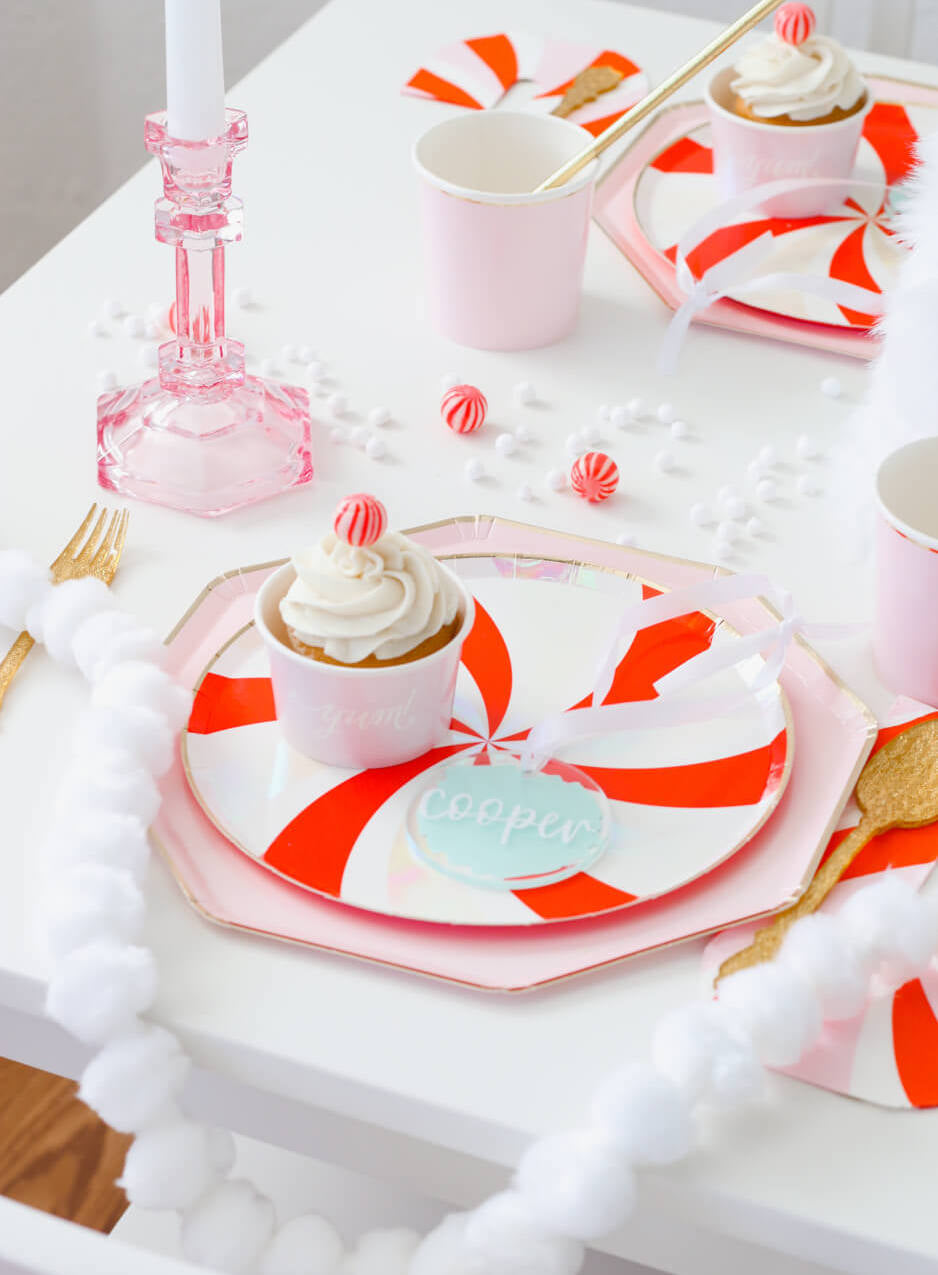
382 600
805 81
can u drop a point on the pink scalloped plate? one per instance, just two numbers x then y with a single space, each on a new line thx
834 733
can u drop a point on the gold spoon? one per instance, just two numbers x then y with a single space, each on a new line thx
898 789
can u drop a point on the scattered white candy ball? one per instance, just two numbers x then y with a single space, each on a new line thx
268 367
337 404
337 434
767 489
664 462
106 379
306 1245
525 394
524 434
149 356
768 456
755 527
725 493
378 416
228 1228
474 469
506 444
808 485
112 308
666 413
603 412
289 353
152 331
314 374
448 380
96 328
701 515
626 539
376 449
156 313
360 435
242 298
638 407
728 531
735 508
132 325
756 470
556 479
832 387
525 492
680 430
575 445
306 354
806 447
591 434
621 416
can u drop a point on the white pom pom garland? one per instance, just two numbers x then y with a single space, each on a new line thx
306 1245
646 1114
88 903
574 1184
57 616
228 1228
170 1166
775 1008
384 1252
133 1081
98 990
22 585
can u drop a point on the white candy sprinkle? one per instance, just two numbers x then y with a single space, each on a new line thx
337 404
700 515
152 331
112 308
664 462
506 444
376 448
556 479
591 434
447 381
337 434
666 413
474 469
575 445
289 354
524 434
149 355
268 367
133 325
806 447
525 394
735 507
768 456
360 435
755 526
808 485
832 387
106 379
242 298
525 492
625 538
727 531
621 416
96 328
680 429
767 489
378 416
638 407
306 354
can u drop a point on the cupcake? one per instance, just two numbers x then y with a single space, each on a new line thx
792 109
364 633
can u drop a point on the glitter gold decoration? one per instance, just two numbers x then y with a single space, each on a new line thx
587 86
897 789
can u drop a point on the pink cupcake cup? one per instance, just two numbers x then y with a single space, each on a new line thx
358 718
747 154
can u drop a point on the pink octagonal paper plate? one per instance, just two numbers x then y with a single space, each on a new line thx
834 734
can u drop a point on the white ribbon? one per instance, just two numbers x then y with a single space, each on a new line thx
738 273
671 708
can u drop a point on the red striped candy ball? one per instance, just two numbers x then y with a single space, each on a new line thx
794 23
360 520
594 476
463 409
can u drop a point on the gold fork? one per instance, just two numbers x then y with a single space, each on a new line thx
89 553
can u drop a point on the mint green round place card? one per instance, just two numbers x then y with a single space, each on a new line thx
500 827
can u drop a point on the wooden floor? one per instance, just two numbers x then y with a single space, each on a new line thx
55 1154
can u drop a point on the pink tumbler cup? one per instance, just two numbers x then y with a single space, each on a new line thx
504 267
906 630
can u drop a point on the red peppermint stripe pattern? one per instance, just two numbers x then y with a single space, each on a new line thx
594 476
794 23
360 520
463 409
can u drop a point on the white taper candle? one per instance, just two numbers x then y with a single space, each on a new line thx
195 71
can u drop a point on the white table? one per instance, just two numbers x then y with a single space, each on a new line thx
436 1087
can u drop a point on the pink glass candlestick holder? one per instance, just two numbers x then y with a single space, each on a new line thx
201 435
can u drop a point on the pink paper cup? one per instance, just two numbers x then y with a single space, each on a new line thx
503 266
906 624
358 718
747 154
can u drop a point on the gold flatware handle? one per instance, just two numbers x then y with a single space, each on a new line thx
769 939
13 660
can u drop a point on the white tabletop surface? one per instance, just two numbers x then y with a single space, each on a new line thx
332 254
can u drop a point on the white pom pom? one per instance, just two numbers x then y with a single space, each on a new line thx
142 734
116 841
242 298
574 1184
832 387
91 902
591 433
379 416
337 404
701 515
575 446
525 492
169 1166
637 408
384 1252
767 489
666 413
376 449
891 923
775 1008
665 462
144 686
525 394
504 1232
132 325
98 990
816 948
555 479
306 1245
134 1079
693 1048
23 583
113 637
56 618
506 444
109 783
228 1228
647 1116
445 1252
808 485
680 430
622 416
474 469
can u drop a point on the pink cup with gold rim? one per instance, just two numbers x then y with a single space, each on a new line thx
906 626
358 718
504 266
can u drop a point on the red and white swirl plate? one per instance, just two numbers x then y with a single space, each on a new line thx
664 183
314 841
